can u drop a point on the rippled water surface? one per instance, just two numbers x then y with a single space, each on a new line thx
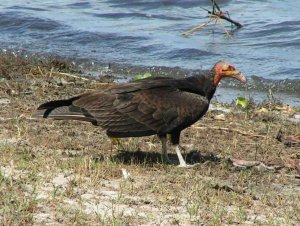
140 32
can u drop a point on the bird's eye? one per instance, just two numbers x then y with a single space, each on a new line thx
230 68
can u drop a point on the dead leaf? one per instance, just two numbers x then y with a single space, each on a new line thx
263 110
244 163
293 164
251 164
290 141
264 167
220 117
286 109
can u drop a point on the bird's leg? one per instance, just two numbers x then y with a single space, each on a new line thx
164 149
182 162
175 137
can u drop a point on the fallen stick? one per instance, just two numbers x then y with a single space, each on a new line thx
73 76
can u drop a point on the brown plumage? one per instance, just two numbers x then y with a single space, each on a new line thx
150 106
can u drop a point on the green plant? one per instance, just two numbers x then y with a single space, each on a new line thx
242 102
140 76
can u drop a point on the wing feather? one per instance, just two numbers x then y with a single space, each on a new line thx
135 109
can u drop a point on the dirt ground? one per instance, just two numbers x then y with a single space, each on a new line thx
68 172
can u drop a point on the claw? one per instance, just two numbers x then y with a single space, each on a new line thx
188 165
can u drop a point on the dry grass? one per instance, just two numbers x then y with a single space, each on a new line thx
66 172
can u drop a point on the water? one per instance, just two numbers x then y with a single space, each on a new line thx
148 33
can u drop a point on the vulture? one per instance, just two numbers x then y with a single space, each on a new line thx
155 105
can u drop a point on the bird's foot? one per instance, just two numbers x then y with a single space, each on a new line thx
184 165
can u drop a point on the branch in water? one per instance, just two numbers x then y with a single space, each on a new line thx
220 14
216 14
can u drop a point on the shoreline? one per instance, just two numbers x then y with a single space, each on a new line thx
287 91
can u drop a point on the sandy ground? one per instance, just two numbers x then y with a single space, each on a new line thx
68 172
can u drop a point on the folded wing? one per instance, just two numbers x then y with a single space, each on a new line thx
133 109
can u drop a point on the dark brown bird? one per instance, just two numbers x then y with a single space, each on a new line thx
146 107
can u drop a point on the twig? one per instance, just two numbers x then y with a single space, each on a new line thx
41 71
229 130
215 16
215 5
223 27
73 76
220 14
199 27
51 71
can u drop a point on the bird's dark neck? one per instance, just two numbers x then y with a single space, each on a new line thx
202 84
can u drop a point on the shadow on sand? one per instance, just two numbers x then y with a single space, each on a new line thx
151 158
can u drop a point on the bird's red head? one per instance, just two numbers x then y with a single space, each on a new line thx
223 69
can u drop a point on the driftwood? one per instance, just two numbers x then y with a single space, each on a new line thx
220 14
215 14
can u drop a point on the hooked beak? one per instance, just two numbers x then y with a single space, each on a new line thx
237 75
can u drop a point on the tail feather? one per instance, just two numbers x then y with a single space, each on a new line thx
63 110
